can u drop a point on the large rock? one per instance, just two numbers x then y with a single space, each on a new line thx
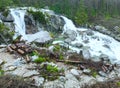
8 18
55 24
70 34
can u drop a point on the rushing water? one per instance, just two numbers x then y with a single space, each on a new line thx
20 28
97 43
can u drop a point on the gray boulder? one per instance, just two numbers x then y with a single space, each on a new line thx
8 18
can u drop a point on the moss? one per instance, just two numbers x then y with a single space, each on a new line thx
5 13
51 68
38 16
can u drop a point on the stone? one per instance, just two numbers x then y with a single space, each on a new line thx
70 34
89 32
78 45
84 79
1 62
98 27
3 46
10 68
30 74
75 72
87 71
9 18
104 57
62 79
38 80
101 73
86 54
54 84
71 81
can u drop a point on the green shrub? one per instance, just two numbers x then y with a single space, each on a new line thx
5 13
38 16
40 60
51 68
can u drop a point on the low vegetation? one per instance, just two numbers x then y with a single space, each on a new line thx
109 84
4 34
38 16
10 81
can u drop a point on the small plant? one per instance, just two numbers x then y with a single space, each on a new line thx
94 74
38 16
5 13
61 56
118 83
40 60
34 53
52 69
56 48
52 35
1 72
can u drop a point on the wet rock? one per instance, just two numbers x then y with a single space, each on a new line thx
117 29
55 24
86 54
30 74
104 57
75 72
100 27
8 18
79 45
70 34
95 58
89 32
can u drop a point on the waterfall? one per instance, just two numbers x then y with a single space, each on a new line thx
96 43
20 29
19 22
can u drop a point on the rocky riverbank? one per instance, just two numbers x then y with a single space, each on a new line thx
54 53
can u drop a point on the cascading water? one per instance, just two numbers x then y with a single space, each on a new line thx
97 43
20 29
19 22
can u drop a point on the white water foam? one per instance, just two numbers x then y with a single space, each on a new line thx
20 29
96 42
